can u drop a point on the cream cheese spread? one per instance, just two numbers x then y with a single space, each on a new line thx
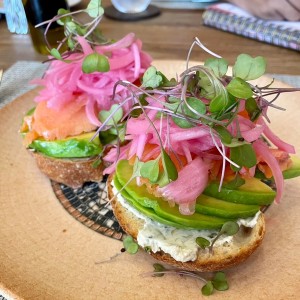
179 243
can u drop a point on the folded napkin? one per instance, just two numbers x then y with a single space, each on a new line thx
16 80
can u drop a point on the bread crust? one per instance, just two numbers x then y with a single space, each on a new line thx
71 172
245 242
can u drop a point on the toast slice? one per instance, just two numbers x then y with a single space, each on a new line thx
71 172
243 244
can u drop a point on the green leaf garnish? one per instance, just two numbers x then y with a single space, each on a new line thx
207 89
235 183
207 289
151 78
163 179
192 109
80 30
150 170
137 168
31 111
136 109
95 62
196 105
169 166
202 242
158 268
252 109
243 155
223 133
165 81
148 249
63 20
219 66
218 103
70 43
229 228
94 9
130 245
220 282
235 142
115 117
112 135
239 88
55 53
249 68
71 27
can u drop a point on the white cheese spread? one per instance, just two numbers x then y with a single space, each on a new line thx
179 243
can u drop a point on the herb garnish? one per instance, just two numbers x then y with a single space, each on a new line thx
217 282
229 228
130 245
73 29
203 96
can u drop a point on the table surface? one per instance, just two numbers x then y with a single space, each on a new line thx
167 36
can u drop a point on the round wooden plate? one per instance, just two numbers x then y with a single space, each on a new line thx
46 253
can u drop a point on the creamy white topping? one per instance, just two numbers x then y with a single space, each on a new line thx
249 222
179 243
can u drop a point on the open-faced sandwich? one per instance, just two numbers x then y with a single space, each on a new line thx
200 164
75 95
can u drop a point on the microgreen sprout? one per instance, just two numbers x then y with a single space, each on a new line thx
95 62
229 228
235 183
130 245
148 249
159 270
217 282
73 29
249 68
151 78
203 96
202 242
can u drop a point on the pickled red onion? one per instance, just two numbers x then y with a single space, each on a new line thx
63 81
263 153
184 191
275 139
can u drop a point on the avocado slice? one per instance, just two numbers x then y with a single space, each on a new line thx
160 206
294 170
252 192
144 210
216 207
79 146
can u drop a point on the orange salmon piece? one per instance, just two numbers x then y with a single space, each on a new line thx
69 121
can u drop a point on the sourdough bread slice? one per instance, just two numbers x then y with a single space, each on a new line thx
244 243
71 172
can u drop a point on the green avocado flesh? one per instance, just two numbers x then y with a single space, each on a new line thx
79 146
210 213
294 170
144 210
253 192
216 207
